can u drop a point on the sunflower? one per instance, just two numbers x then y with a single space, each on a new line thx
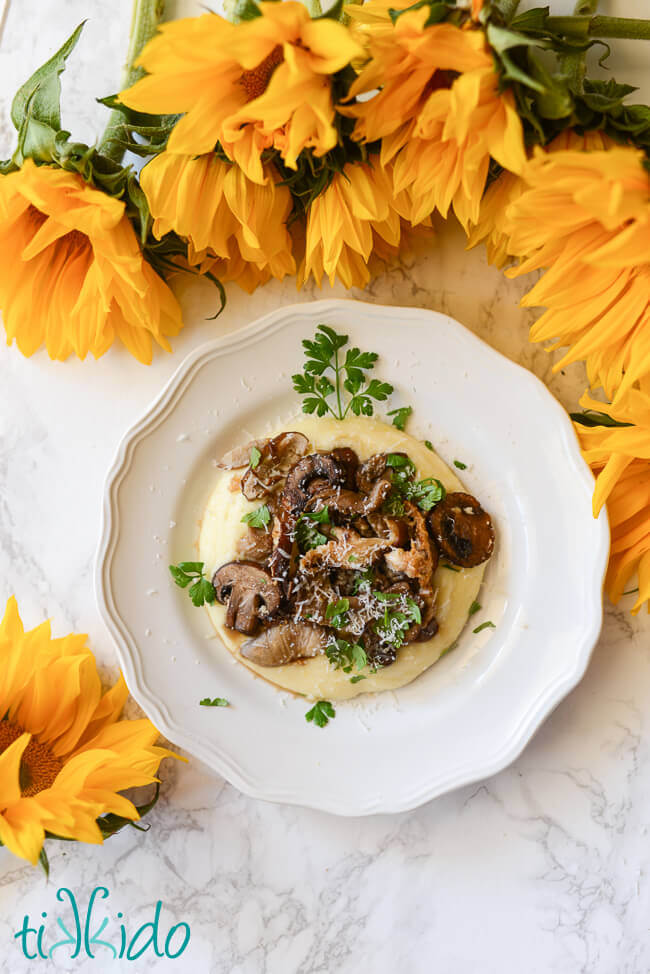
355 216
64 755
492 221
261 84
585 216
78 280
620 459
222 214
438 112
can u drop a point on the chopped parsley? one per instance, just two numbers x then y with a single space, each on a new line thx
400 416
474 607
202 589
259 518
484 625
424 493
357 678
395 623
429 445
364 581
336 613
254 457
215 702
321 713
461 466
344 655
307 534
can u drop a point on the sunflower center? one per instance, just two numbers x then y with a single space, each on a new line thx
38 767
255 82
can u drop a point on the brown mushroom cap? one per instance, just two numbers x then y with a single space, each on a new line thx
278 455
462 529
350 503
249 592
325 467
284 643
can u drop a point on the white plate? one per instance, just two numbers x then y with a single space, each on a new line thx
467 716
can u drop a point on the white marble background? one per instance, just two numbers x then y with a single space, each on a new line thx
543 868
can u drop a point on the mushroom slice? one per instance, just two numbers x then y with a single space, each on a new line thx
350 461
285 642
420 560
249 592
346 550
282 541
351 503
372 469
394 529
256 545
324 467
462 529
241 455
277 456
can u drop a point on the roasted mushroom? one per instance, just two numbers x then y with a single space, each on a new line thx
325 468
249 591
350 461
462 530
285 642
256 544
372 469
277 456
420 559
282 541
241 455
350 503
346 550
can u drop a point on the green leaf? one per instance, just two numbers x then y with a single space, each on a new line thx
484 625
429 445
591 417
254 458
243 10
474 607
307 534
44 862
111 824
335 12
215 702
259 518
400 416
202 592
555 100
336 613
460 465
179 576
42 91
321 713
191 567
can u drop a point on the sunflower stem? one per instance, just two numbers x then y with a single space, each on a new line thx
584 27
145 18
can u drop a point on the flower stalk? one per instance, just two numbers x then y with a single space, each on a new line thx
145 18
584 27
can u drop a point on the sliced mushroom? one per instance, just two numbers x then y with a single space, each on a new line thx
420 560
394 529
372 469
350 503
250 593
346 550
350 461
282 541
322 467
278 455
256 545
241 455
462 529
284 643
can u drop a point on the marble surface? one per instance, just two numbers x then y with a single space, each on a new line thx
543 868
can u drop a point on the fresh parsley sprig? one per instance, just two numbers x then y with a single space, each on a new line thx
321 713
424 493
259 518
215 702
394 624
187 572
324 355
344 655
307 534
400 416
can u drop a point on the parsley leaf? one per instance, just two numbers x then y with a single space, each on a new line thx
400 416
394 624
357 678
461 466
321 713
348 375
254 457
215 702
429 445
425 493
259 518
450 568
307 534
474 607
364 581
336 613
186 572
484 625
344 655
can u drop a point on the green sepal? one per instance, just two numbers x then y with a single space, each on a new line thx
242 10
111 824
554 99
42 91
335 12
592 417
